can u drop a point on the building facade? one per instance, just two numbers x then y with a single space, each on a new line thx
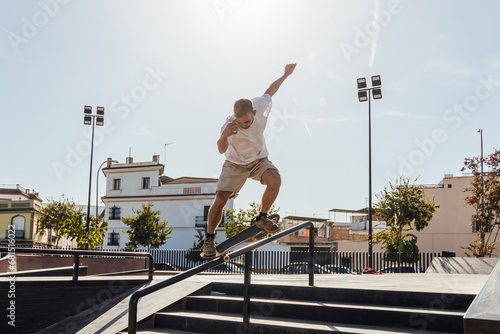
19 212
183 202
449 230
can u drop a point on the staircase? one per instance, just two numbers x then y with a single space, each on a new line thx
305 310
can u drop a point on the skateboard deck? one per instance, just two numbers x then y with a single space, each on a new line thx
238 239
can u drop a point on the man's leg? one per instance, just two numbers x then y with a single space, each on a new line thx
217 210
214 218
272 180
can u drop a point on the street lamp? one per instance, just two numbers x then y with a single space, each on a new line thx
97 187
90 119
364 95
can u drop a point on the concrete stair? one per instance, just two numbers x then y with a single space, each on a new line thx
304 310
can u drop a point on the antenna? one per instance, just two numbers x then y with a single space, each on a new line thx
165 155
129 152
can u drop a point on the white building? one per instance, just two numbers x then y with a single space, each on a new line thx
183 202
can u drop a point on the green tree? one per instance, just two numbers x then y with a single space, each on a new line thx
484 197
241 219
77 230
66 219
146 229
404 207
54 215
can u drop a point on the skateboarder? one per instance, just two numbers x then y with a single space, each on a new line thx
242 142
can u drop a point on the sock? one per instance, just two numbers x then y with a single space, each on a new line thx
210 235
261 214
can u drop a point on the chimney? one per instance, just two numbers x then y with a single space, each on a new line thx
129 160
156 158
108 164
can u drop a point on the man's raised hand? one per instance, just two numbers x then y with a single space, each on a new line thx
289 69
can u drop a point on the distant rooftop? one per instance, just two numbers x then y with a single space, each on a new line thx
312 219
129 163
16 189
186 180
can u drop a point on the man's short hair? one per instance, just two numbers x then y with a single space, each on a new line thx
242 106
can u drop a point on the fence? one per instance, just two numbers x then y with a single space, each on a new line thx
280 262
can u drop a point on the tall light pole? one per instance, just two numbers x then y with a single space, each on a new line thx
482 184
364 95
90 119
97 187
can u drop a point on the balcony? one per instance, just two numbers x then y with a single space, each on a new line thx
199 221
17 234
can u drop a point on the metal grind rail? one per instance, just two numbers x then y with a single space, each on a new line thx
247 251
77 253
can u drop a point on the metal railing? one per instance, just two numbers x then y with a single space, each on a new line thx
77 253
246 250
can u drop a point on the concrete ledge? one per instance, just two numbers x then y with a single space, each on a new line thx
483 315
462 265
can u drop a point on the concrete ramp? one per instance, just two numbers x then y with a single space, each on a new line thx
483 315
462 265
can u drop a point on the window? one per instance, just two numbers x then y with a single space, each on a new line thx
146 183
114 239
476 227
205 213
117 184
114 213
18 226
192 190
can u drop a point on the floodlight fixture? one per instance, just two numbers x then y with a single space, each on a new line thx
99 121
361 83
87 109
376 81
100 110
377 93
362 96
87 120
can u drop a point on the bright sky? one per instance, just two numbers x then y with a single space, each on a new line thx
169 71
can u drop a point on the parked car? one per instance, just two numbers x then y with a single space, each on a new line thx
167 266
228 267
404 269
302 268
334 269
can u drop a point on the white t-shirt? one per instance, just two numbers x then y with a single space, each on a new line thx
249 144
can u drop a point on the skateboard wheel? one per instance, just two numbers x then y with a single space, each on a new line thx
226 258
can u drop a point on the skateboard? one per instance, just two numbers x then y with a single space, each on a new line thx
238 239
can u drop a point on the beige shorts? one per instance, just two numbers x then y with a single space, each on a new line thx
233 176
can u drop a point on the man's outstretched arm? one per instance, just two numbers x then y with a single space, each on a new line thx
276 85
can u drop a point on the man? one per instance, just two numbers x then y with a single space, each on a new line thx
242 142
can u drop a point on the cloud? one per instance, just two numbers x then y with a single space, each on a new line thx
449 66
398 113
373 48
312 61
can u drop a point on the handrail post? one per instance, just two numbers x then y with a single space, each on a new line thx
132 316
246 290
311 255
76 266
150 275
